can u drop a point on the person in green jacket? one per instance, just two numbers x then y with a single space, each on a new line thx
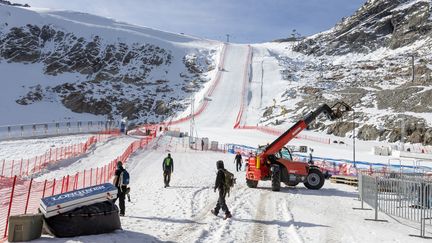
168 169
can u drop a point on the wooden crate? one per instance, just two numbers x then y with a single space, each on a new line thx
348 180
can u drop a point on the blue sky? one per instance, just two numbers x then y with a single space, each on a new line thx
247 21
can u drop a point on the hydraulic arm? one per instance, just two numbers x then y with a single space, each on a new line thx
335 112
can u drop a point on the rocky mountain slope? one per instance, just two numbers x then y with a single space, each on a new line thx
100 66
365 60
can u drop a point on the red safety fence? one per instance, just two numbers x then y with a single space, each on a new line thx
30 166
267 130
19 195
209 92
246 77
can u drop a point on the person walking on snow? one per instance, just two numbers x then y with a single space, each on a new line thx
310 156
202 144
121 189
219 184
168 169
238 159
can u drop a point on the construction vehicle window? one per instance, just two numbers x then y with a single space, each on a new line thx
284 153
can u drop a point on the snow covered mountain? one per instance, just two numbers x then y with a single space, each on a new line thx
59 65
365 60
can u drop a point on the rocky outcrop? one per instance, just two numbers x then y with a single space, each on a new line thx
120 79
340 128
14 4
116 62
368 132
404 99
378 23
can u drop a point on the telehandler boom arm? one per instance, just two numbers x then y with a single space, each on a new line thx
335 112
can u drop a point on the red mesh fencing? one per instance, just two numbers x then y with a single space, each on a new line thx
19 195
30 166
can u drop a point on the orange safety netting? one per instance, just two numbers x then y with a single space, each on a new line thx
30 166
19 195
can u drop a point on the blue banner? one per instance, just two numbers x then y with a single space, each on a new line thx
244 150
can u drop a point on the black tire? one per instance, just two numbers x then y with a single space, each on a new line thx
251 183
315 179
276 178
292 183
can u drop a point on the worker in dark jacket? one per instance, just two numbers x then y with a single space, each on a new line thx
238 159
220 185
168 168
121 190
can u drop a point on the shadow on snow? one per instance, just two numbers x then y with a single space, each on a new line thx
279 222
168 220
117 236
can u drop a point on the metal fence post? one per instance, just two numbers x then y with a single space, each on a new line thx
10 206
424 205
376 198
376 201
361 192
28 196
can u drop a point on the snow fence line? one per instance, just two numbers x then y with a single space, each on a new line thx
246 79
209 92
268 130
19 195
8 132
27 167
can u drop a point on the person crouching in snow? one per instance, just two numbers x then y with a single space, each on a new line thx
220 185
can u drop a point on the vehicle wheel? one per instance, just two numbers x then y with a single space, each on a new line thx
314 180
275 177
292 183
251 183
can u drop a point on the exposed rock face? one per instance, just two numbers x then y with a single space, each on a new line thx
379 23
340 128
114 62
405 99
120 79
13 4
368 132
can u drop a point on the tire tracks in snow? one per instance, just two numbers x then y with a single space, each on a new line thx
211 227
274 222
259 232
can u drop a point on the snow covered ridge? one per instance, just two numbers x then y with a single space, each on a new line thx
13 4
365 60
95 65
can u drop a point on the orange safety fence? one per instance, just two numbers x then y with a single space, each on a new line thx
267 130
246 77
209 92
30 166
19 195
